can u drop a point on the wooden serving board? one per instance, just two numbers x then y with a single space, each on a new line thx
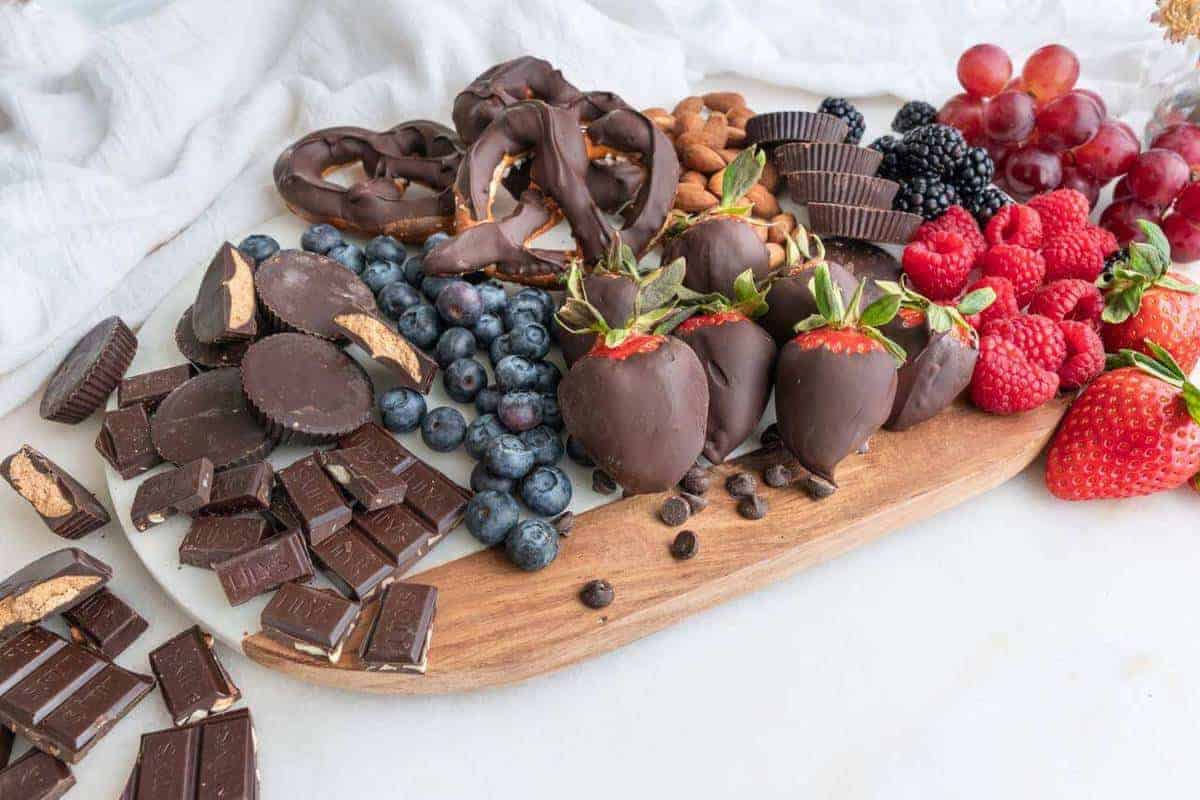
497 625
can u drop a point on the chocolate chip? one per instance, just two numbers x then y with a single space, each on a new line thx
818 488
685 545
602 482
741 484
752 507
564 522
770 436
777 476
597 594
695 480
695 502
674 511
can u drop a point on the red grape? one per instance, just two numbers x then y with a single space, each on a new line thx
997 150
984 69
1110 153
1031 171
1121 219
965 113
1121 190
1068 121
1157 176
1183 139
1097 99
1184 236
1075 178
1188 202
1050 72
1009 117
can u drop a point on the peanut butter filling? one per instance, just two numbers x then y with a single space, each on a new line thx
241 292
39 488
43 599
380 340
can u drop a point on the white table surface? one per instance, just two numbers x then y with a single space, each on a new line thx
1015 646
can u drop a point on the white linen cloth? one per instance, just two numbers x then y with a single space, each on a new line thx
129 153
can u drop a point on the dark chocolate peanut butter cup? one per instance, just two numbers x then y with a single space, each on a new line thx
206 356
795 126
89 373
208 417
841 188
867 224
302 292
305 390
826 157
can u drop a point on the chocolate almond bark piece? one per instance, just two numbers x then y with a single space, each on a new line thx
410 364
125 443
215 539
47 586
62 502
89 373
354 564
400 635
367 477
265 568
208 417
105 623
194 683
179 491
214 759
240 489
382 443
148 389
315 499
225 307
36 776
312 621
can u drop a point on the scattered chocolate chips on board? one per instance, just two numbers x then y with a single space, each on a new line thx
62 502
48 586
597 594
194 683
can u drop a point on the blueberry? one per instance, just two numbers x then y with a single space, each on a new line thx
494 296
543 299
491 515
546 446
482 479
433 285
463 379
258 247
350 256
433 240
402 409
459 303
480 433
508 457
546 491
414 272
386 248
532 545
396 298
486 329
531 340
515 373
488 400
443 429
452 345
548 377
551 414
421 326
379 274
520 312
577 453
499 348
321 238
520 411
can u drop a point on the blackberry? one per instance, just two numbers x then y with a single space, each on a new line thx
913 114
841 108
983 206
974 173
890 146
932 150
926 196
1110 263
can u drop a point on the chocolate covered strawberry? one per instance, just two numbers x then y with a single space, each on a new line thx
739 362
1144 300
611 288
638 400
721 243
789 298
836 380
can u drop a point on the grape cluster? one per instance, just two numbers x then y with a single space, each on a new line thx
1158 187
936 169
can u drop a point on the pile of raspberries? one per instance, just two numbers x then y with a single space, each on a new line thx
1042 260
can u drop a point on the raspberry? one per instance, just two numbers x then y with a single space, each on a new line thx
1085 355
1005 381
1073 255
1038 338
1104 239
1070 299
1062 211
958 220
1024 267
938 265
1014 224
1003 307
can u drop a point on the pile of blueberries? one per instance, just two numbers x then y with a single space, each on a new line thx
516 435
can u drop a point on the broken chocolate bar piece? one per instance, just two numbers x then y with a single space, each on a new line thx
178 491
215 539
280 513
105 623
265 568
400 533
355 565
211 759
6 744
150 388
365 476
414 368
440 501
194 683
62 502
400 636
225 309
240 489
36 776
47 586
314 498
125 443
383 444
312 621
62 697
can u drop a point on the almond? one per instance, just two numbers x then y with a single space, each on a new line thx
704 159
693 104
656 112
692 177
735 137
724 101
693 199
770 177
775 255
715 131
729 154
765 204
685 140
715 181
761 232
664 122
738 117
781 225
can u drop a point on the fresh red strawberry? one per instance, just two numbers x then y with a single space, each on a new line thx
1006 381
938 265
1069 298
1085 355
1024 267
1040 339
1061 211
1015 224
956 219
1133 431
1074 254
1003 307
